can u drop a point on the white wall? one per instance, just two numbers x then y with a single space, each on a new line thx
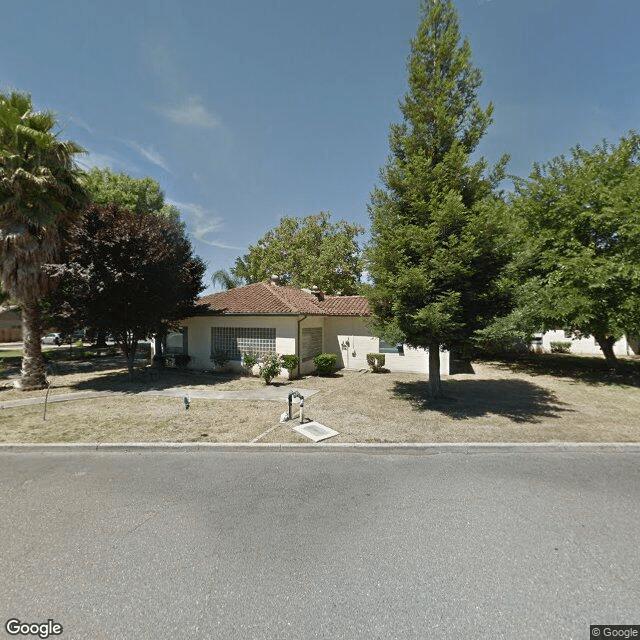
199 337
339 331
587 346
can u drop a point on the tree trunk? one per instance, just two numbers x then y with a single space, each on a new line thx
606 344
435 384
34 374
158 360
131 356
101 339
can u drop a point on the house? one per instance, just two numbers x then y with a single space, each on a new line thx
268 317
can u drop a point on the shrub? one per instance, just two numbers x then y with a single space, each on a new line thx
249 360
181 359
290 362
220 358
375 361
325 363
270 367
560 347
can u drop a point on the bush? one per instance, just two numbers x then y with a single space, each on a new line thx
325 363
249 360
375 361
290 362
560 347
270 368
220 358
181 359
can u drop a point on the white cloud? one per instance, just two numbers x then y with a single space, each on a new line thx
192 112
101 160
149 154
82 124
201 224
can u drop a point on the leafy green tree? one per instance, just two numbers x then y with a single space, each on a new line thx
40 194
137 195
579 259
304 252
435 252
133 275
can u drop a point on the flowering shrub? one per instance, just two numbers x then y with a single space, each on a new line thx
270 367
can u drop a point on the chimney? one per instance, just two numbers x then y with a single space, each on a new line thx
317 293
275 280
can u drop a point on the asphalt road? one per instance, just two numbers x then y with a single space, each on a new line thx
206 545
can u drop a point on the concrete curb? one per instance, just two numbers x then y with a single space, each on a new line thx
355 447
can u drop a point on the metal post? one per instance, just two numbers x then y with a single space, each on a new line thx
296 394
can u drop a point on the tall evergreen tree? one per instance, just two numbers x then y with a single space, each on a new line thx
433 256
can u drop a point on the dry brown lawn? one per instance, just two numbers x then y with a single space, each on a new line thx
496 403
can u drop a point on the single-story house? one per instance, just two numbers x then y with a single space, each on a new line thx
268 317
628 345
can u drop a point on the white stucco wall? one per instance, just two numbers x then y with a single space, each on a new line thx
587 346
199 336
341 331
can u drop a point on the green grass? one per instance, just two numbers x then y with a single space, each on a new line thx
11 354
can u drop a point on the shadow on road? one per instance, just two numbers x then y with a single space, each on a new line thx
517 400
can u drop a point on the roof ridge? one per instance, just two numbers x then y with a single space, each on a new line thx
311 298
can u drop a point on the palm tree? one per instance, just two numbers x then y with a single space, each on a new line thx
40 193
226 279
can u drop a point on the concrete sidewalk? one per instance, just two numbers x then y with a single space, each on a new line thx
268 393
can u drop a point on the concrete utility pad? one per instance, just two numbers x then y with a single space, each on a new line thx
315 431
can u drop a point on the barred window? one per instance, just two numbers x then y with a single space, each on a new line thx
234 341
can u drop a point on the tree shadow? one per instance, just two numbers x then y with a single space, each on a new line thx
518 400
588 369
117 378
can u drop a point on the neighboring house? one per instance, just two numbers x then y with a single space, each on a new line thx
268 318
10 325
586 345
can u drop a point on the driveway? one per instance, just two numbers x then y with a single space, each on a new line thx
296 546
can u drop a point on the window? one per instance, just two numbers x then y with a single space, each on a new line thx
176 342
234 341
311 343
385 347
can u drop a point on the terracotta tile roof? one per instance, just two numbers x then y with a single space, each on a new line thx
265 297
345 306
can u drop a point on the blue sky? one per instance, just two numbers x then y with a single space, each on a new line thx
245 112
